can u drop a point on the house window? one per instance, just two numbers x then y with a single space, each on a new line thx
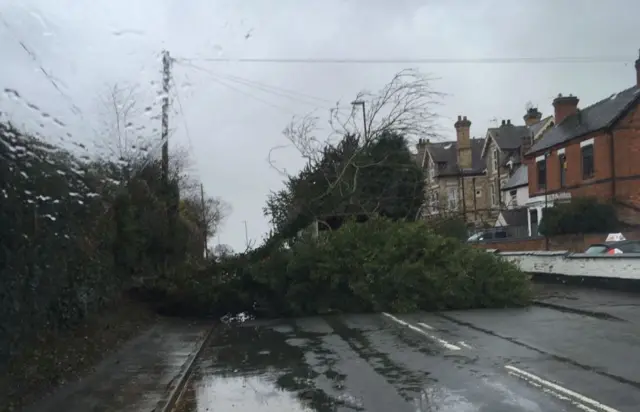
452 196
493 194
513 199
495 160
442 165
541 166
562 159
588 169
433 199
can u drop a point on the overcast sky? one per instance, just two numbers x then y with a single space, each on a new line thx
231 125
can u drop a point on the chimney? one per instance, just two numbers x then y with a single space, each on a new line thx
564 107
463 126
638 70
532 116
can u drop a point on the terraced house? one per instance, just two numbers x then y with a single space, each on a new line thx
504 151
591 151
455 176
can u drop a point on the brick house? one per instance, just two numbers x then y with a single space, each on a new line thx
455 176
592 151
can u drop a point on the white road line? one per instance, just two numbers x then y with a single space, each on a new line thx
587 403
464 344
424 325
442 342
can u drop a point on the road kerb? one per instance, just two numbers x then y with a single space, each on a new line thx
178 389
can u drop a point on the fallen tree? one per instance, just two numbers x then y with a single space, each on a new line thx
378 265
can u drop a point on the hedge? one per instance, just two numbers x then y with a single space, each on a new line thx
73 238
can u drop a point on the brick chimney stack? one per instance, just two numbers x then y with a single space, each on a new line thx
463 126
532 116
638 70
564 106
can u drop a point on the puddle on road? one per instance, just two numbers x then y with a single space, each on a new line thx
252 368
250 393
317 365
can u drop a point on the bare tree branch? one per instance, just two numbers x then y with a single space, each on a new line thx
406 106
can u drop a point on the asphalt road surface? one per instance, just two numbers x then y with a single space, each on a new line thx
536 359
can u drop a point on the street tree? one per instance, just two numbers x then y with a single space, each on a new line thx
364 165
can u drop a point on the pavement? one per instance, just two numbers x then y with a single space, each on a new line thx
140 376
562 356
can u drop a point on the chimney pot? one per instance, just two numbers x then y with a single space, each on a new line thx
503 122
459 118
464 117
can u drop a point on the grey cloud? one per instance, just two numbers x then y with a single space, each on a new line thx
89 44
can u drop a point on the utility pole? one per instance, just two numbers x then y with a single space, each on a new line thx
172 201
204 221
246 234
166 76
364 116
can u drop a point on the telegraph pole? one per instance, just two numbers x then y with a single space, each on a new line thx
246 233
166 76
204 221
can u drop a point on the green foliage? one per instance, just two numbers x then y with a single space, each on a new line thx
380 178
73 238
380 265
449 226
580 215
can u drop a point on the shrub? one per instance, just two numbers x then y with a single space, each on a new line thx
449 226
580 215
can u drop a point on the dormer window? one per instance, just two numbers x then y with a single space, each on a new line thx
442 165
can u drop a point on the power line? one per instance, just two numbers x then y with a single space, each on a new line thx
429 60
184 117
255 85
293 94
221 82
216 77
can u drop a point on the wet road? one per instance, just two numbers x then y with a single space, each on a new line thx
535 359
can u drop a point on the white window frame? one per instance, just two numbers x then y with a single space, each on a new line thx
452 198
583 144
432 170
493 194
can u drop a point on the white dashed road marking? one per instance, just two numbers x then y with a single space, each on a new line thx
424 325
580 401
444 343
465 345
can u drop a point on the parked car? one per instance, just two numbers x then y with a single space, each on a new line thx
488 235
614 247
